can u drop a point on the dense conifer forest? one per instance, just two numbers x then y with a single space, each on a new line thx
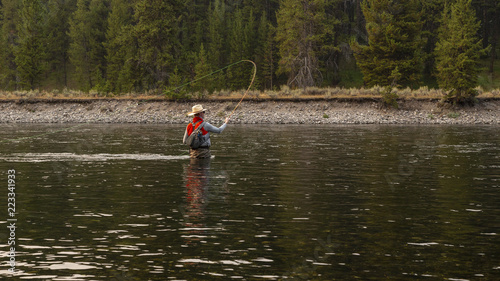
123 46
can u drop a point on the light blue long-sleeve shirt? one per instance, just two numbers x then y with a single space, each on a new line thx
210 129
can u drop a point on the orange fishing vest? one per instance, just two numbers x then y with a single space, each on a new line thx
197 121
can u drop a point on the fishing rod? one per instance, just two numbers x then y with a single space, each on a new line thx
219 70
249 86
183 85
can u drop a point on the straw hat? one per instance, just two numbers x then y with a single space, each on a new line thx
196 109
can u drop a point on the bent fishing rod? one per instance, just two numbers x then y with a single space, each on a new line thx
183 85
219 70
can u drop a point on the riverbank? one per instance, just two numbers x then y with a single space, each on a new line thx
255 111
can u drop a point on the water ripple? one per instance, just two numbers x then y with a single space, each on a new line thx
51 157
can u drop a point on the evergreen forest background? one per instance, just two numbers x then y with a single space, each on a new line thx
121 46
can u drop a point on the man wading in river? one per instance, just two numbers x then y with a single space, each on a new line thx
203 151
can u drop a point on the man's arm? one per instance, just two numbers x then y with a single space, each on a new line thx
211 128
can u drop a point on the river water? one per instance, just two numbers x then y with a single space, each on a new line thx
277 202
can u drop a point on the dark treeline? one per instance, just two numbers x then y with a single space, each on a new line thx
124 46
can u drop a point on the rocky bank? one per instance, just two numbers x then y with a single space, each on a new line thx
326 111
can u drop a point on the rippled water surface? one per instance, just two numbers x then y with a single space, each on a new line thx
124 202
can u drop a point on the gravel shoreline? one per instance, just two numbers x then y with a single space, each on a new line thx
249 112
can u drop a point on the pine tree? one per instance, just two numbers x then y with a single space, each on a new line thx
333 38
120 48
265 53
58 40
458 51
158 45
193 22
432 14
493 31
87 32
250 38
215 45
241 40
191 33
8 40
394 43
80 33
300 31
176 90
31 52
202 68
260 7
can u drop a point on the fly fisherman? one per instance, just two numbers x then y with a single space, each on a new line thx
203 151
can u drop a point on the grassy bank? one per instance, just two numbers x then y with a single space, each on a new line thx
283 93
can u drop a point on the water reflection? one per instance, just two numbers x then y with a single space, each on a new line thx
197 179
272 205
